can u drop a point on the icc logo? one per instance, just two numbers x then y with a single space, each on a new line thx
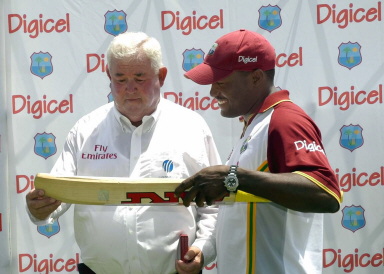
115 22
353 218
50 229
41 64
245 145
349 54
269 17
192 58
168 165
351 137
45 145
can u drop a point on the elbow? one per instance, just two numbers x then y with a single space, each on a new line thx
331 205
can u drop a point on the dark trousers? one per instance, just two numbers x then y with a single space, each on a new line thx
83 269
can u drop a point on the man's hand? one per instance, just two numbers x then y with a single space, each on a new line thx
206 186
40 205
195 263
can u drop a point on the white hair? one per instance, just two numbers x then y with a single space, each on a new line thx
132 45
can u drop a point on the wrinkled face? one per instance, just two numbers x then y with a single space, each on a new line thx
236 94
135 87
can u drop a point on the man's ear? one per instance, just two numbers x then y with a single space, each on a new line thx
257 75
107 70
162 75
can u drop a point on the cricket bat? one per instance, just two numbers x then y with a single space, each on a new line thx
121 191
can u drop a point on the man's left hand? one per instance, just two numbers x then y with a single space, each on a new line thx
195 263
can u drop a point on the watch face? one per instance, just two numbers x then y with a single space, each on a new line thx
231 182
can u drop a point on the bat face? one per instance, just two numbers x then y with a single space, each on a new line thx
119 191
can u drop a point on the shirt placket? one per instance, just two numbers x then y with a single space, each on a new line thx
135 149
131 218
132 241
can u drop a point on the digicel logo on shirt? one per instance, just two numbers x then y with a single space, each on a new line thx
34 27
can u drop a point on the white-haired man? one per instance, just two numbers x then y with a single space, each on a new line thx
141 130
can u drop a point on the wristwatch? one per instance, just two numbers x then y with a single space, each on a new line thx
231 182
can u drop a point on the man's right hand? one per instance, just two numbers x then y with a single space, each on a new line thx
40 205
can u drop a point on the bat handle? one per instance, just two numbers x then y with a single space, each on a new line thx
183 246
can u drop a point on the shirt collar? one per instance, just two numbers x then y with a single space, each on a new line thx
275 99
148 121
269 102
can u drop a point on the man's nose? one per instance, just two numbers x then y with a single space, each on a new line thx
130 86
214 91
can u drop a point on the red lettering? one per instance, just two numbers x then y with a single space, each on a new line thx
326 256
290 60
187 24
40 107
350 261
137 197
23 183
343 17
210 267
362 179
94 61
194 103
28 262
36 26
347 98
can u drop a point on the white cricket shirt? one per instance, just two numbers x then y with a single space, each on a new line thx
173 142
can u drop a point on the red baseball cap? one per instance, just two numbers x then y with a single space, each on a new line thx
239 50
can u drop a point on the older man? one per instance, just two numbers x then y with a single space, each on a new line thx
144 133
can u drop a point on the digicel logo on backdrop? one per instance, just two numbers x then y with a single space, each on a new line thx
34 27
328 95
343 17
186 24
95 61
22 104
31 262
24 183
353 179
349 262
194 103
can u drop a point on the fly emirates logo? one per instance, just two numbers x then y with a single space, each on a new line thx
100 153
312 147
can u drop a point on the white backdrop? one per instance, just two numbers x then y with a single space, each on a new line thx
330 57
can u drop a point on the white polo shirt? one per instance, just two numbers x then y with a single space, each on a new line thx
173 142
266 238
